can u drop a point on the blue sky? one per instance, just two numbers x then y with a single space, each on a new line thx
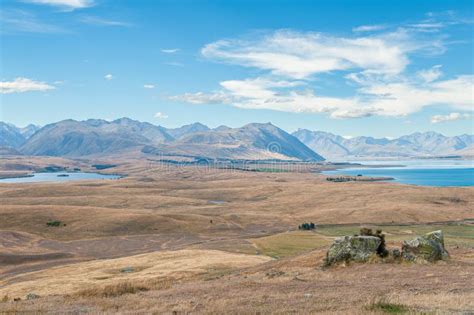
349 67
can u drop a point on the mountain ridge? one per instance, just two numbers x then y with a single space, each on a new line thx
417 144
72 138
252 141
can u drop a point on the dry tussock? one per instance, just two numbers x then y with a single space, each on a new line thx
126 287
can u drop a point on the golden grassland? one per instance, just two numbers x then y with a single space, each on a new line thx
222 241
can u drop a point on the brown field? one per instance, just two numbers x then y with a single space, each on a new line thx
222 241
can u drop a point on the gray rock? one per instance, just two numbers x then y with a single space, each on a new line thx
352 248
127 270
32 296
429 247
396 253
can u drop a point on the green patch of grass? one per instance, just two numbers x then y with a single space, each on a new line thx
289 243
389 308
54 223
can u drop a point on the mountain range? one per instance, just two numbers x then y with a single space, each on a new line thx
13 137
71 138
255 141
427 144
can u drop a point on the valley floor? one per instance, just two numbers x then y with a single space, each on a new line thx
223 241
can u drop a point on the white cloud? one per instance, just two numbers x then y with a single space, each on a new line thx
22 21
375 65
93 20
405 97
161 115
174 64
204 98
149 86
377 98
69 4
170 51
21 85
369 28
450 117
431 74
108 77
301 55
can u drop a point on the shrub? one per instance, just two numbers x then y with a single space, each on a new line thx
307 226
103 166
387 307
54 223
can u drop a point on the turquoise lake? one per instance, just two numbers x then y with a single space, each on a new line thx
58 177
439 173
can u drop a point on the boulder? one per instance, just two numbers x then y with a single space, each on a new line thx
352 248
429 247
32 296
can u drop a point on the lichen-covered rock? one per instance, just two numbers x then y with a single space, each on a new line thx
429 247
32 296
396 253
352 248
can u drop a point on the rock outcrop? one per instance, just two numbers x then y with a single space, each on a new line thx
429 247
360 248
352 248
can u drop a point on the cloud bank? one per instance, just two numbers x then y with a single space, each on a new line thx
374 66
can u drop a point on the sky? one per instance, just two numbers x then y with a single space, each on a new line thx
378 68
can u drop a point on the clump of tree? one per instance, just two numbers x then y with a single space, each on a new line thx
54 223
307 226
103 166
381 250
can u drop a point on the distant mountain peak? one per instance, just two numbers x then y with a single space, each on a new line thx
187 129
417 144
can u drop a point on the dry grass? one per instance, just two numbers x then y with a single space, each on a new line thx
194 265
126 287
144 268
290 243
113 290
460 300
289 285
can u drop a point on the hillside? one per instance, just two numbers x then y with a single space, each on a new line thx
186 130
253 141
93 136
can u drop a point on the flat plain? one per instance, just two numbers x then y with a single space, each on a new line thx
207 240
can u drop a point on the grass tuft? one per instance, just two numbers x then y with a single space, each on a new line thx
113 290
118 289
387 307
